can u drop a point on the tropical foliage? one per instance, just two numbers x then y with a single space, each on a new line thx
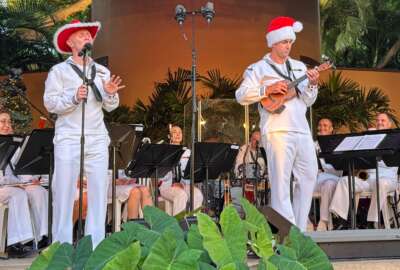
26 32
221 86
361 33
206 246
166 104
350 105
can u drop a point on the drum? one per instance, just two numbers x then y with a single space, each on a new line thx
249 191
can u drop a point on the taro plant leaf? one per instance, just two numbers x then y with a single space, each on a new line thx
82 252
171 253
108 248
286 263
126 259
206 266
159 221
308 253
146 237
266 265
62 258
43 260
229 266
228 246
261 239
195 241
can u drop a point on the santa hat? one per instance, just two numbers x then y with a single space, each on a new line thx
63 33
282 28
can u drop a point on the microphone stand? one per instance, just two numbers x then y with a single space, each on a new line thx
82 156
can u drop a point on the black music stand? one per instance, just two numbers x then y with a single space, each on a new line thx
37 157
349 161
8 146
211 159
125 140
154 160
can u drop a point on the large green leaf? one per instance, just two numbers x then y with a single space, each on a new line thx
266 265
195 241
159 221
43 260
261 239
169 253
126 259
206 266
308 253
108 248
63 257
286 259
229 266
228 247
82 253
139 232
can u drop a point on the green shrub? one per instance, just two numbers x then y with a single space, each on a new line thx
206 246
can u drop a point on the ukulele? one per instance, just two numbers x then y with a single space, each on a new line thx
274 103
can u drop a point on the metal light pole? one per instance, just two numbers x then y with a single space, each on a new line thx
180 14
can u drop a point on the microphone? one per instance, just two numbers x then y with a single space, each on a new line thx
86 49
180 14
208 11
146 140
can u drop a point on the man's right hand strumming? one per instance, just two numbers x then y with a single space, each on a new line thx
277 88
81 93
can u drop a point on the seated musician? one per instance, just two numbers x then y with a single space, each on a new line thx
249 164
20 199
327 177
179 192
387 183
127 189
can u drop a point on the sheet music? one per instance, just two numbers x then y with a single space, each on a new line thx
370 141
360 142
349 143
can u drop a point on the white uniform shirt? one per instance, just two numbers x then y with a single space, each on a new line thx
248 159
260 75
60 88
384 172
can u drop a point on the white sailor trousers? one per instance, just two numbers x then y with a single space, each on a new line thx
19 227
289 152
66 173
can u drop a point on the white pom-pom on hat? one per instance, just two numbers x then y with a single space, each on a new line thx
297 26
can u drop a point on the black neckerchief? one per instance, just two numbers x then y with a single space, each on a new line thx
90 81
289 71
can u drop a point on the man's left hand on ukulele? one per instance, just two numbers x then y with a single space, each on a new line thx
313 76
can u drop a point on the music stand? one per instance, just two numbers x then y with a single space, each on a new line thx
211 159
8 146
37 157
125 141
359 159
154 160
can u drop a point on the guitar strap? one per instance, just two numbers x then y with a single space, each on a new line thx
289 71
